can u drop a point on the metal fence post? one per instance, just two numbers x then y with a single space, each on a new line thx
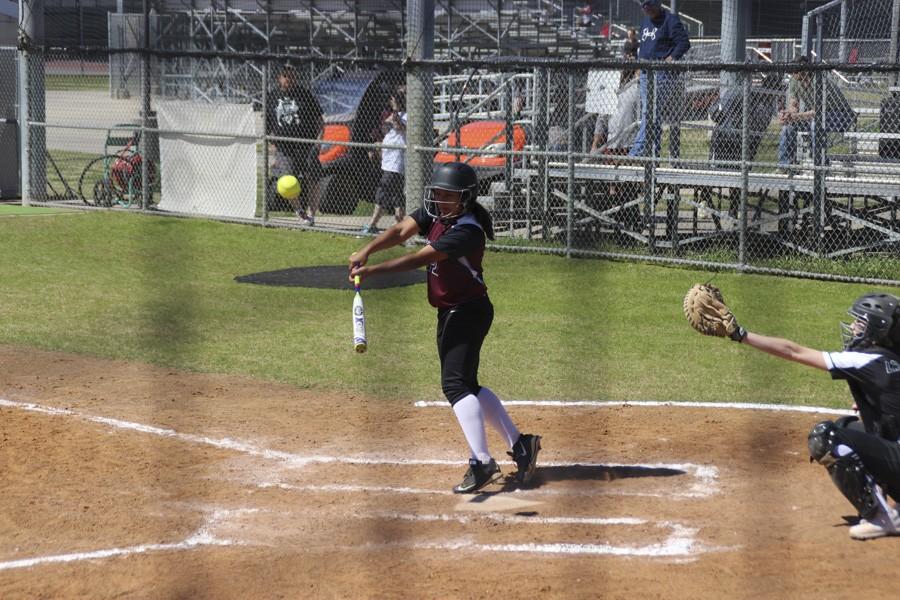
804 37
895 33
509 99
650 136
419 95
817 133
24 129
842 45
265 142
33 102
145 109
570 180
541 86
745 167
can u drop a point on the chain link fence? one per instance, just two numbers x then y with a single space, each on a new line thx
774 165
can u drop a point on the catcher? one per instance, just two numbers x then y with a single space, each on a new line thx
861 454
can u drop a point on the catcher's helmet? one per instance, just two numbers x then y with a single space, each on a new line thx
876 322
454 177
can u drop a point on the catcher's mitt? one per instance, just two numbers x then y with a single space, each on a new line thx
706 311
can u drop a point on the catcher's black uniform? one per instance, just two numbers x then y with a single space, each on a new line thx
873 375
456 288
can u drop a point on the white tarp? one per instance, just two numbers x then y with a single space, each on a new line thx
202 173
603 87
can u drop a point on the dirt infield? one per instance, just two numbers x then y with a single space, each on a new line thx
125 480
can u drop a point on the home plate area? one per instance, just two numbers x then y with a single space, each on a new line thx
126 480
371 501
550 516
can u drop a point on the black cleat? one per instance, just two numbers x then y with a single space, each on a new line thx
477 476
525 452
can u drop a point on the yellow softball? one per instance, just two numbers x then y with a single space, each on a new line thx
288 187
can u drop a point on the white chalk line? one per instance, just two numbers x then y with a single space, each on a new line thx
681 542
203 537
386 489
655 403
706 476
506 519
677 545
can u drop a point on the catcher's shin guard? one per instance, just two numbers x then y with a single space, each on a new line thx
847 472
849 475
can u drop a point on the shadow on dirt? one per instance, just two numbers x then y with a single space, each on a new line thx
544 475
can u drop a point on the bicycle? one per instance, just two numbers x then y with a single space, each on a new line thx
115 178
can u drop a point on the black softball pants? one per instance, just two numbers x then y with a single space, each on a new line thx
460 334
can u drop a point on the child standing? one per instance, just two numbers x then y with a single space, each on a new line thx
389 196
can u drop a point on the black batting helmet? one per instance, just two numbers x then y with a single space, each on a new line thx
879 315
454 177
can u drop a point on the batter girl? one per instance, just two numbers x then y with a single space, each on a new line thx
456 228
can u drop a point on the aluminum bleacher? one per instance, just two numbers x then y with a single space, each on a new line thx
676 207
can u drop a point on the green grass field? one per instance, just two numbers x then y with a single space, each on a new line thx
76 82
162 290
15 210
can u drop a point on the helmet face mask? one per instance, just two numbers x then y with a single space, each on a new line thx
437 199
854 334
874 315
451 177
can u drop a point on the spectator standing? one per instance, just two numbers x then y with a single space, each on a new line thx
390 195
293 112
663 37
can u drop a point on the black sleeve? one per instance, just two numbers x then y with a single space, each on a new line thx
460 241
422 219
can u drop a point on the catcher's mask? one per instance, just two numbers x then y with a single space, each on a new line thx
454 177
874 317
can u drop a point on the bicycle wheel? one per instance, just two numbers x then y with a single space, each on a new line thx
95 186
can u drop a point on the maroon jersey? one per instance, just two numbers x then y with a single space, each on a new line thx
459 278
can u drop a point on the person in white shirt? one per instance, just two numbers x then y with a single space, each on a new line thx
390 193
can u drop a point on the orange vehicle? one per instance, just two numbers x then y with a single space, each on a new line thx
482 135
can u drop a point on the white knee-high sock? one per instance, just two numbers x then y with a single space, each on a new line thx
471 419
496 415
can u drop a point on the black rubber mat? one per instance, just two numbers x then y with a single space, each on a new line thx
331 277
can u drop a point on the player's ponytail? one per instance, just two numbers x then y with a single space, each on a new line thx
484 219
